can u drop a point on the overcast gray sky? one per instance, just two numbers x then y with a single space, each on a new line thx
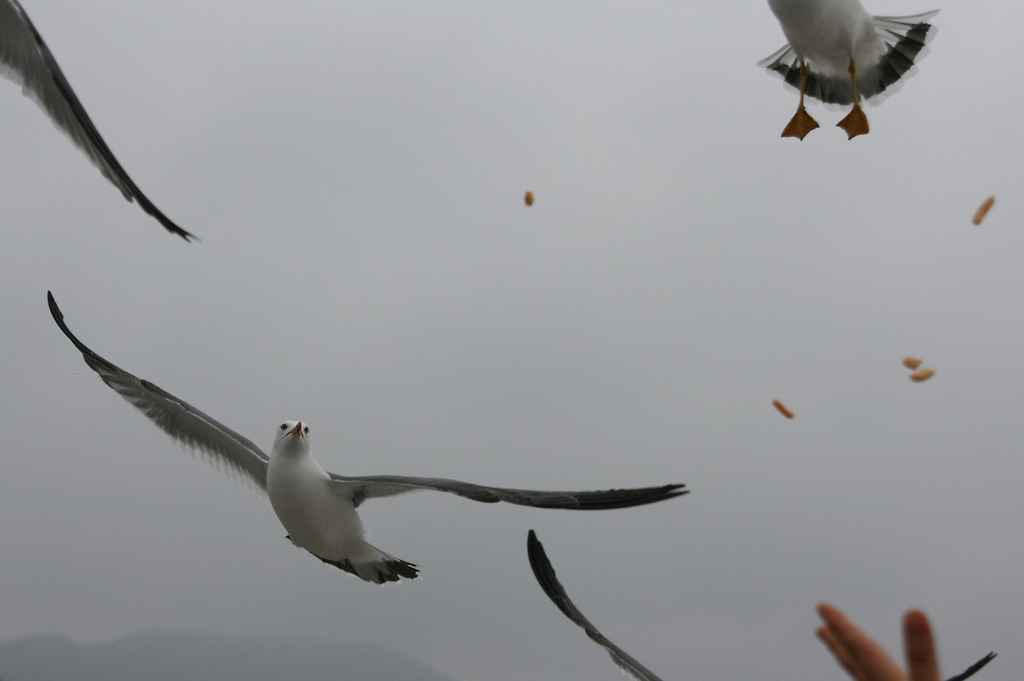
356 172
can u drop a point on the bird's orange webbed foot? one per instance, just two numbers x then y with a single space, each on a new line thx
855 123
800 125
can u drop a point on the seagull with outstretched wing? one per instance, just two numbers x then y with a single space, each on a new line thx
318 508
25 59
545 575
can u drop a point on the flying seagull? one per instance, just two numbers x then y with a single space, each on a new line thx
545 575
316 507
26 60
838 53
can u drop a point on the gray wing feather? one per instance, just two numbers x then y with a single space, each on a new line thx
367 487
26 60
201 435
545 575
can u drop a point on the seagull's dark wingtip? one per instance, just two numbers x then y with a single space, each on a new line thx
148 206
627 498
189 237
667 492
970 671
612 499
540 564
58 317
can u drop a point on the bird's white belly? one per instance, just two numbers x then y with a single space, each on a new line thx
316 518
827 33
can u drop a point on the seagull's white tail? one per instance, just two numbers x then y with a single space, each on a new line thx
904 42
370 563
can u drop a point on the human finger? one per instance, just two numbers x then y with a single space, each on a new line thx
838 650
919 647
864 659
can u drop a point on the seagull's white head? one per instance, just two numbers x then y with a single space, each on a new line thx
293 435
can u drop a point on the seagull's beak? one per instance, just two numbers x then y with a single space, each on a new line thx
297 430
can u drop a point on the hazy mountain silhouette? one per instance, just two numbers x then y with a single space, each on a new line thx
178 656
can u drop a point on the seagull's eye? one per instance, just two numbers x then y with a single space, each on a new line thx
306 430
284 426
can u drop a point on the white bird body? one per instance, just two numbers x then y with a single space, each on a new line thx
317 514
300 492
828 33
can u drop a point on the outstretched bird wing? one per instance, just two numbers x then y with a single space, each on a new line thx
201 435
545 575
361 488
25 59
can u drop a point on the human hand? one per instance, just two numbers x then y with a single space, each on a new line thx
865 660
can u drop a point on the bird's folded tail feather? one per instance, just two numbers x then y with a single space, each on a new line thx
905 40
373 565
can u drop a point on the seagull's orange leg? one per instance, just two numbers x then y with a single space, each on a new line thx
856 122
801 123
